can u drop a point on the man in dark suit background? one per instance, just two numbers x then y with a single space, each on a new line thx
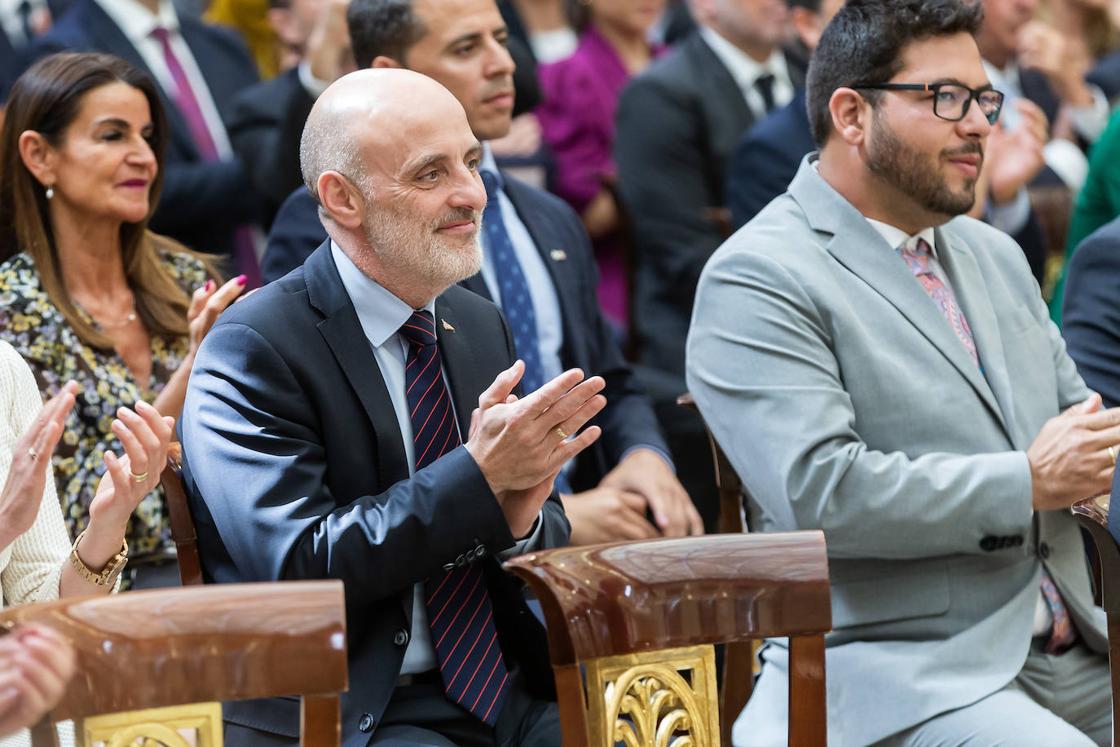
767 158
207 198
354 420
1091 311
268 117
678 123
461 44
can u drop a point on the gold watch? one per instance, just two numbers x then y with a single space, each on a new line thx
107 575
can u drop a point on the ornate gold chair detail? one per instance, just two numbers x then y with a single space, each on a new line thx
641 617
151 664
1092 514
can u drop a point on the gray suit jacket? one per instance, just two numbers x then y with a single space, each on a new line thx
847 404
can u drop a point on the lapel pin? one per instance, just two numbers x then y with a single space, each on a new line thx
558 255
447 326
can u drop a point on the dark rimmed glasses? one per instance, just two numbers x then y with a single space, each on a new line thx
950 100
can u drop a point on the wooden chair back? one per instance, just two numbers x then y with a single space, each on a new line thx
163 649
182 524
1092 514
641 617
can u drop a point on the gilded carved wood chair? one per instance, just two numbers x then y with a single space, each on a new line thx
152 664
1092 514
641 618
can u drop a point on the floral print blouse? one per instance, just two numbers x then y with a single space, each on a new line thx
55 353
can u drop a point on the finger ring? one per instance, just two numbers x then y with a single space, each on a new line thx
1112 454
32 453
138 477
560 432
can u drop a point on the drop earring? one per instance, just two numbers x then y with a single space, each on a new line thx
50 193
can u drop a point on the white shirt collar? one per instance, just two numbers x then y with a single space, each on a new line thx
380 313
743 68
896 237
488 162
136 21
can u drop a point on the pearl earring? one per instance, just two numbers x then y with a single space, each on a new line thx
50 193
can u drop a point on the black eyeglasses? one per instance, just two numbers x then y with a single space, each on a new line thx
951 100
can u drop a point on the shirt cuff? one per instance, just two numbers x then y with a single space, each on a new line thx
523 546
660 452
310 83
1010 217
1090 121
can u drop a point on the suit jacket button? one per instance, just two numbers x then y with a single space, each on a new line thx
479 551
365 724
988 544
449 567
1018 540
400 638
1044 551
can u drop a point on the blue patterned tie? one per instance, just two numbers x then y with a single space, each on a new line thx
460 616
513 288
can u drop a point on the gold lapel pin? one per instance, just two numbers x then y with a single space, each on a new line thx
447 326
558 255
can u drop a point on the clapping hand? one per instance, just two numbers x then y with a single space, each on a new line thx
144 435
36 664
23 490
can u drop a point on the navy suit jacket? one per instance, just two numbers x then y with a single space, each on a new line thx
628 420
9 62
1091 311
265 128
202 202
295 467
768 158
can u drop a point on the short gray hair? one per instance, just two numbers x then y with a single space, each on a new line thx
329 144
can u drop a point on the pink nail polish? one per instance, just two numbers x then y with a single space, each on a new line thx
209 286
242 279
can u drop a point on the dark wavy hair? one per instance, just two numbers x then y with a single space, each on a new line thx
864 43
47 99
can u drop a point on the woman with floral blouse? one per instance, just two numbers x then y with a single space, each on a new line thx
87 293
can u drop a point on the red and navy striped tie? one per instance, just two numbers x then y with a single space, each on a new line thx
460 616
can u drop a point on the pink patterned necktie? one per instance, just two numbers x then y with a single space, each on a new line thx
187 103
918 259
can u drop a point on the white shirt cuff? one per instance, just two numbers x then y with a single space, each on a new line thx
524 545
310 83
1090 121
1011 216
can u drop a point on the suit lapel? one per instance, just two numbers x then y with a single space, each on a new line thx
458 361
477 284
968 287
550 253
343 333
728 103
860 248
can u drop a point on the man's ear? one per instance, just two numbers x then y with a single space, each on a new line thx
38 156
381 61
849 115
340 199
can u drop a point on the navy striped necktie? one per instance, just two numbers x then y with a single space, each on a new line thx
460 615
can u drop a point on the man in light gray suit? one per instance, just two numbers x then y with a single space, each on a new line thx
881 369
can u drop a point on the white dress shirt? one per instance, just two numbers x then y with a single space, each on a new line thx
896 238
13 23
137 23
381 315
746 71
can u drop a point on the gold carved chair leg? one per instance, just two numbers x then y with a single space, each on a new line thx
642 617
